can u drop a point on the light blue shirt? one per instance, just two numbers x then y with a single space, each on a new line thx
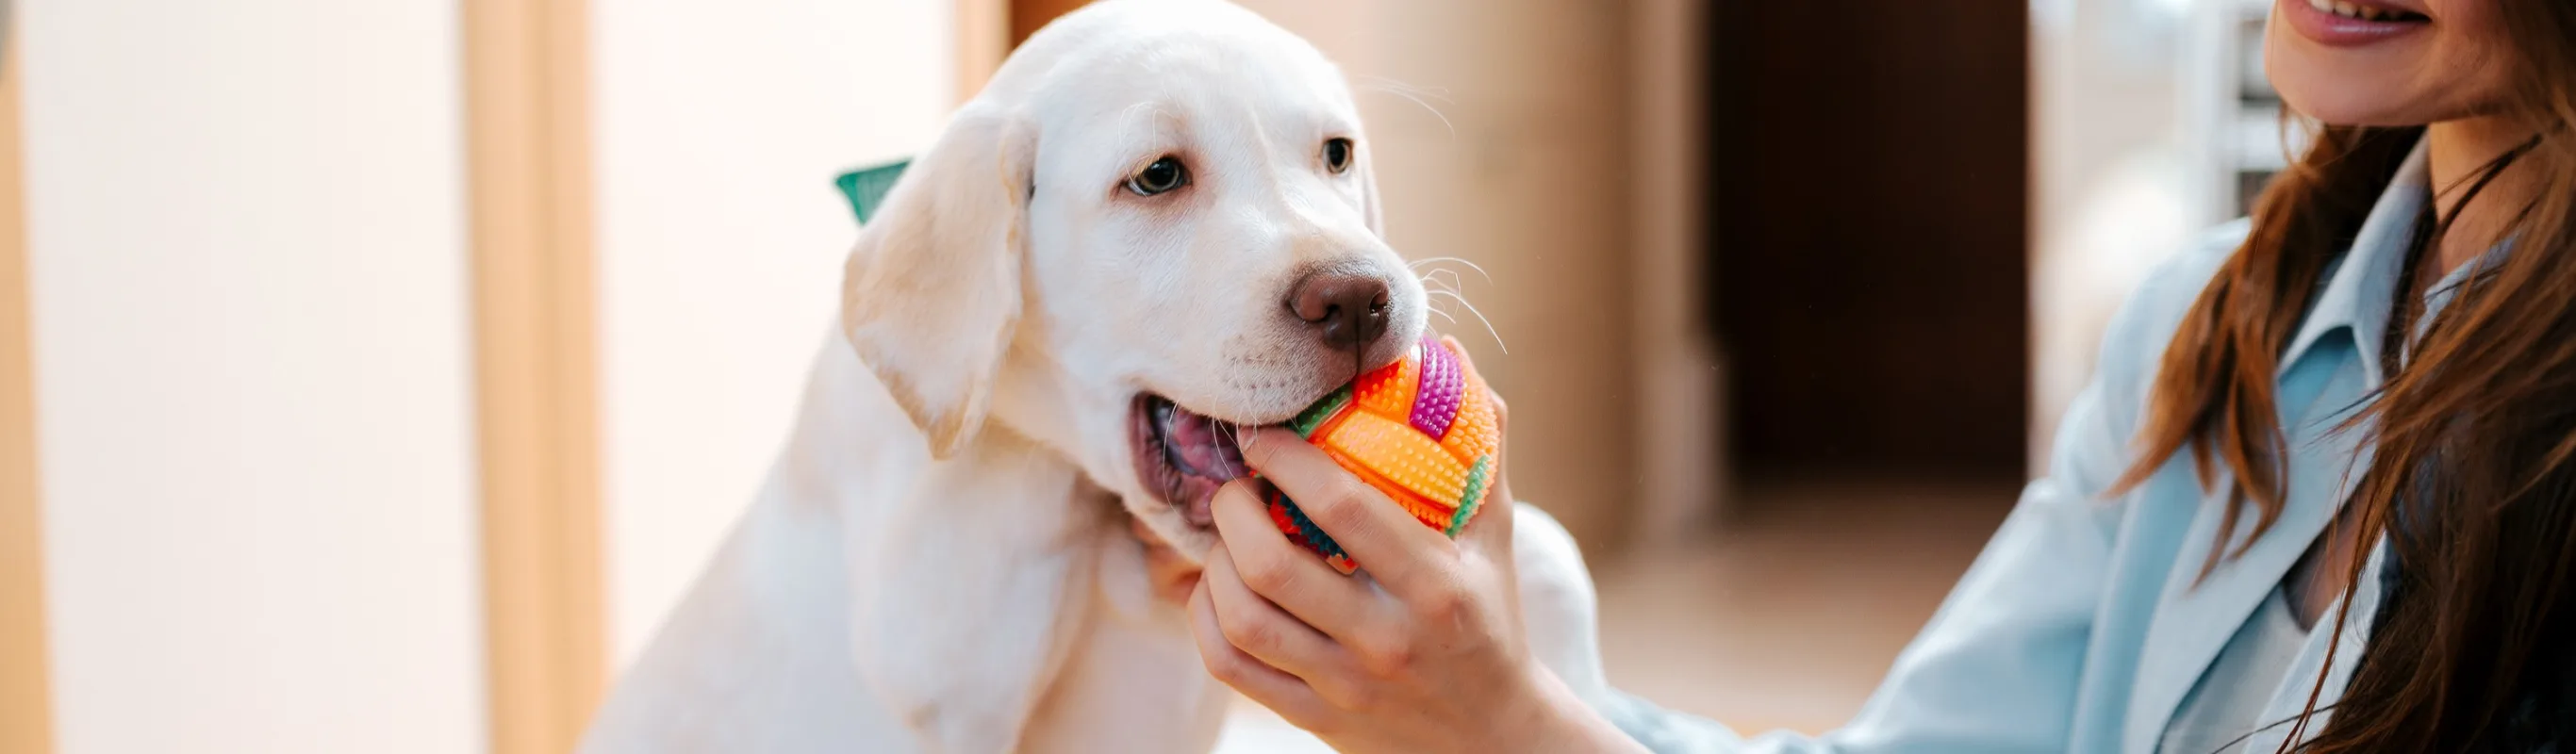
2080 627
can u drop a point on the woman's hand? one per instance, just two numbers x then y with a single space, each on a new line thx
1423 651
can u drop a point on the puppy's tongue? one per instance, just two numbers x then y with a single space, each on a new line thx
1204 451
1204 447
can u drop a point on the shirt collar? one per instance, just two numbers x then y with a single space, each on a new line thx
2363 289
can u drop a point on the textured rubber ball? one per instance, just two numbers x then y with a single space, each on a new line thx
1421 430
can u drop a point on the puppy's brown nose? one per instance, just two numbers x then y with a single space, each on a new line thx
1348 311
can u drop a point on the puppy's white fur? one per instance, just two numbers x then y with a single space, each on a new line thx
935 563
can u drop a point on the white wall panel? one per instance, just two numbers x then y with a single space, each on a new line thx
247 264
720 128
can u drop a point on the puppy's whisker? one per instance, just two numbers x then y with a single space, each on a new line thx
1232 437
1442 308
1382 83
1435 112
1419 96
1480 317
1480 270
1127 133
1454 284
1433 282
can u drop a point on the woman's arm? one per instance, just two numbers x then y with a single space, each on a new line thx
1424 652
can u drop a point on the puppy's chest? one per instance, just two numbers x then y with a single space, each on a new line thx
1131 678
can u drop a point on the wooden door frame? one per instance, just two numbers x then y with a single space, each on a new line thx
26 690
983 39
528 150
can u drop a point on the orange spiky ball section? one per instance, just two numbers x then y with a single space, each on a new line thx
1421 430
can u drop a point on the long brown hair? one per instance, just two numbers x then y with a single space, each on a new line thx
2473 473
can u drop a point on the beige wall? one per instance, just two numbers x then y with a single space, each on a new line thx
246 266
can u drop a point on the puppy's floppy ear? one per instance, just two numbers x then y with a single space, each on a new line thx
930 297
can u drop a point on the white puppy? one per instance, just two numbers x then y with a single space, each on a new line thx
1159 218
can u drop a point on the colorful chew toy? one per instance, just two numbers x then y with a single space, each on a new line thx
1421 430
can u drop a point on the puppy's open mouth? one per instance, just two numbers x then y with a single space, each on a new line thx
1183 456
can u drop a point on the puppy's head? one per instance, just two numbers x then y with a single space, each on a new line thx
1157 223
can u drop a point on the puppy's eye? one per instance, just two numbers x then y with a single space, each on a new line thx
1337 154
1164 175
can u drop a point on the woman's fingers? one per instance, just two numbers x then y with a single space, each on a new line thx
1288 576
1259 628
1397 550
1263 684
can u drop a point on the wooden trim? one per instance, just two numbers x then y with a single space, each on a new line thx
26 701
983 39
536 374
1028 16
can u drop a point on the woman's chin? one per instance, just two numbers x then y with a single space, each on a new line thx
2384 85
2335 101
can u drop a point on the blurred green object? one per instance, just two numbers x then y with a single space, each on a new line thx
866 187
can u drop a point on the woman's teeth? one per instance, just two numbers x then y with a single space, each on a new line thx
2359 12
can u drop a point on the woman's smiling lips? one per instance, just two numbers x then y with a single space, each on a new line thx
2344 23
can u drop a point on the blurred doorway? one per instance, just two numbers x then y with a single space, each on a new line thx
1869 262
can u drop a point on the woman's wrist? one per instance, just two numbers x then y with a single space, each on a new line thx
1555 719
